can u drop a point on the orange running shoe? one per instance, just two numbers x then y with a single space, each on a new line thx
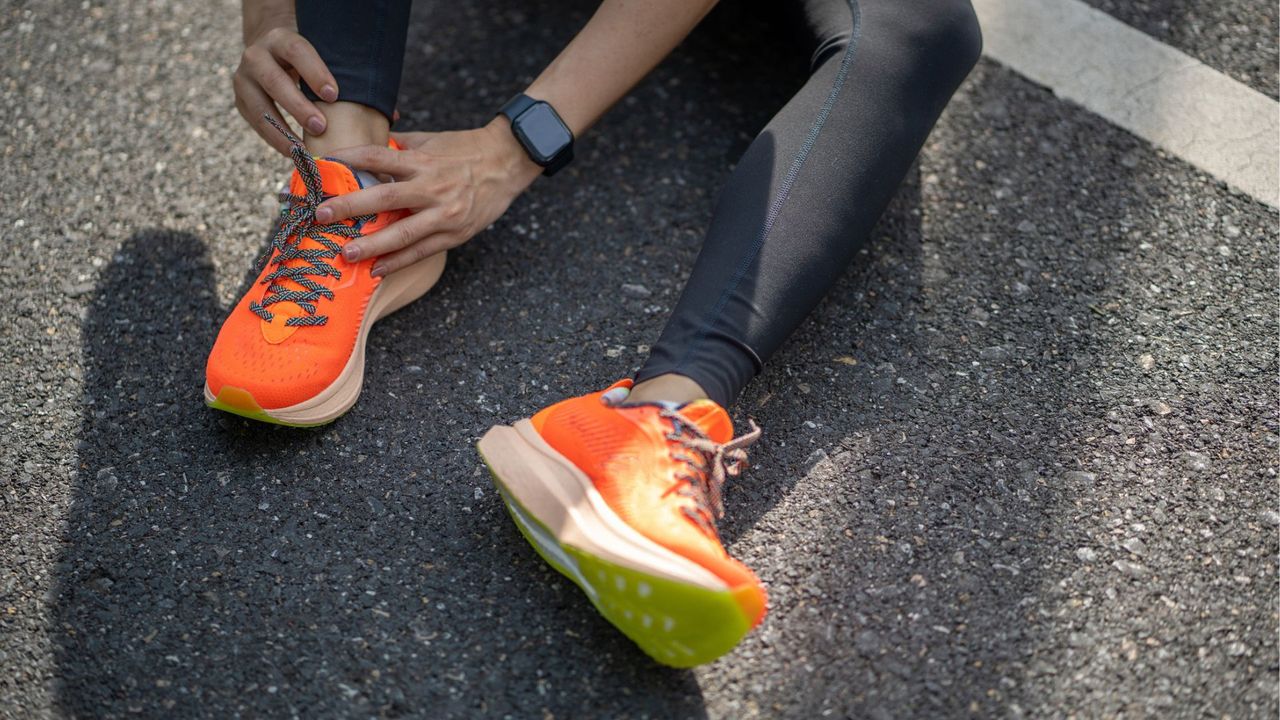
623 500
292 350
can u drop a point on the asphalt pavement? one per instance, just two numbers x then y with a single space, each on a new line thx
1020 463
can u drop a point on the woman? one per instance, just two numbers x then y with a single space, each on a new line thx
618 489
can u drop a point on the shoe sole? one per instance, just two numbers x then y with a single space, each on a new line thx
678 612
394 292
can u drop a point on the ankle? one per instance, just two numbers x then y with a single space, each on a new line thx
667 388
348 125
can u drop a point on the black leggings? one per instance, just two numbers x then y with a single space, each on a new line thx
804 197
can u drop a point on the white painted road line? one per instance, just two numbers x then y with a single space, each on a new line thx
1163 96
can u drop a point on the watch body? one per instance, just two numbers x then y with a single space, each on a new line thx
540 131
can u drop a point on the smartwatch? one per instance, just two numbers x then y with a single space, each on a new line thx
539 129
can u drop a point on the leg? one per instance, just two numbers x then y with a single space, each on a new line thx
363 45
292 351
807 192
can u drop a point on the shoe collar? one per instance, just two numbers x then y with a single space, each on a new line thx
704 414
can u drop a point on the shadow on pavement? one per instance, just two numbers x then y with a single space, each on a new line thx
215 567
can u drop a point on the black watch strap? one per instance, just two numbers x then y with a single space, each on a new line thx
563 158
515 106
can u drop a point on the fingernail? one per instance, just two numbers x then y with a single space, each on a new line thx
329 93
324 214
315 124
379 271
351 253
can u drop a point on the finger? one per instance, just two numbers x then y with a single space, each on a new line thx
376 159
376 199
253 103
280 87
397 236
301 55
418 252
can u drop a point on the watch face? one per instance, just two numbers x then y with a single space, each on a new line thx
545 134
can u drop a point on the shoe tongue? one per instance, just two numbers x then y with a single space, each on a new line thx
710 418
336 178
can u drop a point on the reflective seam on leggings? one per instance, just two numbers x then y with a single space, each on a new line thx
792 172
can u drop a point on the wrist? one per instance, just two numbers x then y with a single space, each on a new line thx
259 21
515 160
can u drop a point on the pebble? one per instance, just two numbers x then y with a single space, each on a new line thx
1085 554
995 353
867 642
1270 517
1195 460
636 291
815 457
1146 361
1135 546
1131 569
107 479
75 290
1079 476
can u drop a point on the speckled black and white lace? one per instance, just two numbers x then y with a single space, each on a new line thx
298 222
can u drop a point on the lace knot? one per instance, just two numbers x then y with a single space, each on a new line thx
714 464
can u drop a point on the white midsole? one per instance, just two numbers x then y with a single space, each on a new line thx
552 548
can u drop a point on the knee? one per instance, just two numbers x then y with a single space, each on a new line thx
936 31
952 34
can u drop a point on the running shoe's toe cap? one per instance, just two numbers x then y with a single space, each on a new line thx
275 376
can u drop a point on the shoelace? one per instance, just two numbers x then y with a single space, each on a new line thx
298 222
715 462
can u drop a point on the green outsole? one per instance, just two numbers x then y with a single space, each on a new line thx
259 415
674 623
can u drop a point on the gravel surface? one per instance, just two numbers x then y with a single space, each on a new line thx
1022 462
1237 37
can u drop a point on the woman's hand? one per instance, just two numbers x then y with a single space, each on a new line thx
275 56
456 184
